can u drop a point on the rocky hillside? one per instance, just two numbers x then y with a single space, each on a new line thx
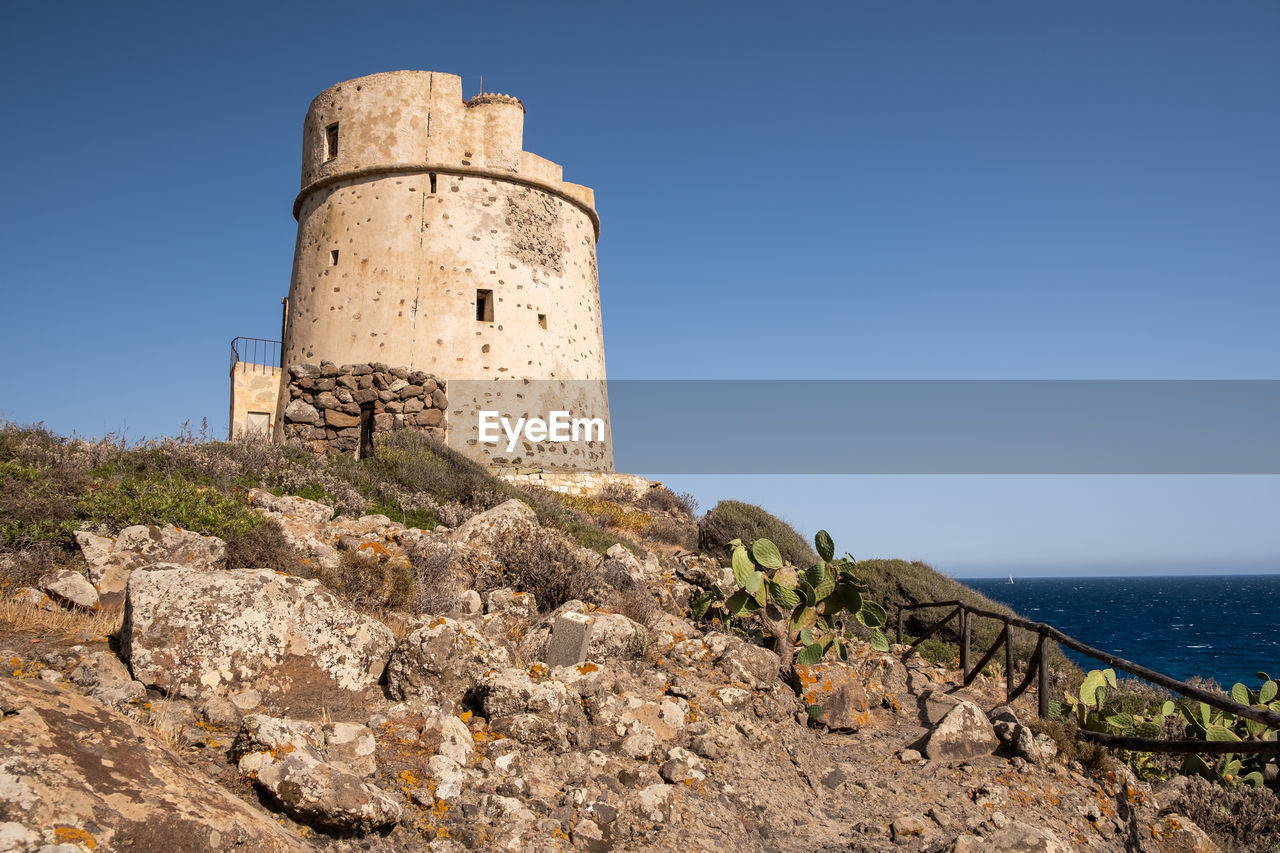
171 698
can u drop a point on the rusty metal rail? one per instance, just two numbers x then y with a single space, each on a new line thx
1038 670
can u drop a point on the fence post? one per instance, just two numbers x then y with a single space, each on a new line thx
1008 660
1042 685
964 642
900 615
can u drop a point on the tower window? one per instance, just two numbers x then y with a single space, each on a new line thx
331 141
542 321
433 182
484 306
333 258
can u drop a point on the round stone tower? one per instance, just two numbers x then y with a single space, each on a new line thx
429 239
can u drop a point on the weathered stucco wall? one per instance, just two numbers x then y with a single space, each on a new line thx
428 201
254 388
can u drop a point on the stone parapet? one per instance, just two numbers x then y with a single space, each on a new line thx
584 483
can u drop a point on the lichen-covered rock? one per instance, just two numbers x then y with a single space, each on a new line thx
741 661
198 633
614 636
836 694
442 660
321 794
70 588
74 772
964 733
111 561
621 566
106 679
537 711
498 524
291 507
347 746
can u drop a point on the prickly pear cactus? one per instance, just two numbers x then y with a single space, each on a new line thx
804 605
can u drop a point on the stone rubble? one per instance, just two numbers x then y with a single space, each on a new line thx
456 732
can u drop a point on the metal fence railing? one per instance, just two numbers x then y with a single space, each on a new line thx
1038 671
255 354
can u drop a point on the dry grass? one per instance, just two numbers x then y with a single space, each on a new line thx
609 513
28 619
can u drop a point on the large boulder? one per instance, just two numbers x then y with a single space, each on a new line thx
535 710
316 772
284 640
964 733
112 560
72 771
442 660
504 521
321 794
348 746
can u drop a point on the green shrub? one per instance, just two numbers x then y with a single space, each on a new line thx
423 519
936 651
730 520
171 500
37 500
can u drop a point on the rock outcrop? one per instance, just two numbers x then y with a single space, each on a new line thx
284 640
250 709
113 559
74 773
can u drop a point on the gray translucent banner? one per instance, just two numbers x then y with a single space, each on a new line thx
873 427
946 427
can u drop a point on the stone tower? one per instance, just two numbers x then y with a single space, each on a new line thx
429 240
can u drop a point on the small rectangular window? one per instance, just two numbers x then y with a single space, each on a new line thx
484 306
331 141
433 182
542 321
333 258
257 425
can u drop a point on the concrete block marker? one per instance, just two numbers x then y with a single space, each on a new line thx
570 636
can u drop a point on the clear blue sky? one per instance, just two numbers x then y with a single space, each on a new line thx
840 190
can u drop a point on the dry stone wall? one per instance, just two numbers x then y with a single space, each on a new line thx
332 407
584 483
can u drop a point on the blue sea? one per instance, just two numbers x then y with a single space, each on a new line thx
1224 627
